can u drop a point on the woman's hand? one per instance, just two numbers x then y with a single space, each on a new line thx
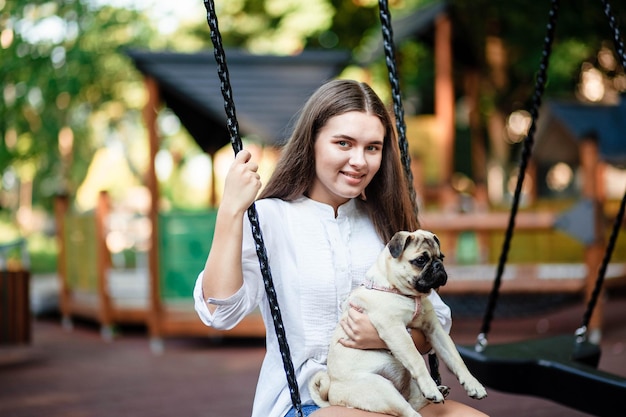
242 182
360 332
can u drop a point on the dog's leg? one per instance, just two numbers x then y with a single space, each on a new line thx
358 390
416 398
319 387
401 345
446 350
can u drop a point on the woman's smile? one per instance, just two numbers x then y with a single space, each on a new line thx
354 176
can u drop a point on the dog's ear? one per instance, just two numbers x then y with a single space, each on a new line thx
398 243
441 255
437 240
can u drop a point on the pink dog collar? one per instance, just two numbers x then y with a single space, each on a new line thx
418 300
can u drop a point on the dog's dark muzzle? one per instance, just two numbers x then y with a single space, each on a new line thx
433 277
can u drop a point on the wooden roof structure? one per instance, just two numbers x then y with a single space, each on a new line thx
565 124
267 90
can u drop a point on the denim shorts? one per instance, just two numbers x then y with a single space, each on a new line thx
307 410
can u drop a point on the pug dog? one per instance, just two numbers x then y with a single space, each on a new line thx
394 381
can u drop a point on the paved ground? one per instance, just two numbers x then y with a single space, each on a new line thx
76 374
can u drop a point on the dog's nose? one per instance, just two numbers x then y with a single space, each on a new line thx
440 273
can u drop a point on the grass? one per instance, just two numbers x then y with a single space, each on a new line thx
43 253
42 248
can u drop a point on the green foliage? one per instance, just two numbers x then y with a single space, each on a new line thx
581 29
8 231
62 66
270 26
43 252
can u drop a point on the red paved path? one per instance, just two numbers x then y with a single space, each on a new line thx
77 374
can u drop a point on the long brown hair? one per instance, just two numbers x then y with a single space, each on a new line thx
388 199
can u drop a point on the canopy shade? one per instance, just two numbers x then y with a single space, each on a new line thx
268 90
605 123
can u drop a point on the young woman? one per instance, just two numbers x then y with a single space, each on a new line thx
337 195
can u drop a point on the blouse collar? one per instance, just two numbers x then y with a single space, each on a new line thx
327 211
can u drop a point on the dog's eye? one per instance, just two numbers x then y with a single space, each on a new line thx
420 260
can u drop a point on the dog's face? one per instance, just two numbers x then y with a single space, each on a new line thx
415 262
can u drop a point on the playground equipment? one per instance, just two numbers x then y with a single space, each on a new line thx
182 243
89 286
569 362
584 222
180 240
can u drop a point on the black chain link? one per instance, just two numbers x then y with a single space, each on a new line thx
525 158
619 218
235 139
394 80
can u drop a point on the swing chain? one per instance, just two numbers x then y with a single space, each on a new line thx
581 334
617 39
394 80
481 343
233 128
225 86
617 223
593 299
540 83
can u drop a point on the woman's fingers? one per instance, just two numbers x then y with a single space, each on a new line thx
242 181
360 331
244 158
356 308
353 325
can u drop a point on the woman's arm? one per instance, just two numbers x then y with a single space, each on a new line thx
363 335
223 274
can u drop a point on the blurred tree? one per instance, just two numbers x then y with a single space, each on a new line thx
66 87
507 37
513 28
288 26
519 27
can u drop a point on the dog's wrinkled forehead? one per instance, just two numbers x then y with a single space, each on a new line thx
432 242
420 239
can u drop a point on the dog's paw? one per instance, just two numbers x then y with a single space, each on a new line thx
444 390
475 389
431 393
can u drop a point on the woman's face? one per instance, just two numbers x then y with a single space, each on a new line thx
348 153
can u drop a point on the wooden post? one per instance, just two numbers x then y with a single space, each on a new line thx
444 113
444 93
61 206
150 115
590 165
103 258
479 155
444 103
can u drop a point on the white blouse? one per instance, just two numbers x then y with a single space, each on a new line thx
315 260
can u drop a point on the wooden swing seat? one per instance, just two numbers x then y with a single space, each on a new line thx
555 368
